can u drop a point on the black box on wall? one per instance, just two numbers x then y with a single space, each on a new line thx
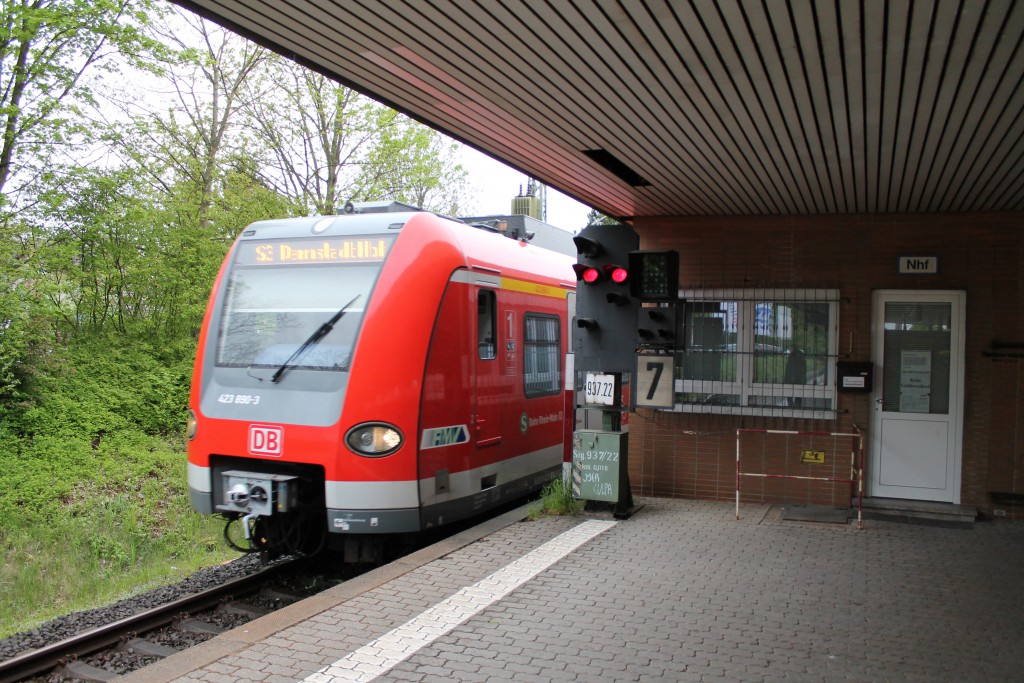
854 376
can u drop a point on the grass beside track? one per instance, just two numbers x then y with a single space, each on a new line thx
556 499
87 524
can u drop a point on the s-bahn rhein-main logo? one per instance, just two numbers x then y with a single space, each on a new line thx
266 440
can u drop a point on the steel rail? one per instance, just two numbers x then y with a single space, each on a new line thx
43 659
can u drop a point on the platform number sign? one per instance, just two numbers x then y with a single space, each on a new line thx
655 381
599 389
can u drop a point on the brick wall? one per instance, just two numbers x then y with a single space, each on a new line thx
693 455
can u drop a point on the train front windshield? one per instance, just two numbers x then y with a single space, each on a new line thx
283 295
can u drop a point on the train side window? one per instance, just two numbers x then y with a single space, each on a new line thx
486 324
542 352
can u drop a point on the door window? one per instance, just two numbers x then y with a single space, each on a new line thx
917 355
486 324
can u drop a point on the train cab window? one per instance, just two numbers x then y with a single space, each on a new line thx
271 312
486 324
542 352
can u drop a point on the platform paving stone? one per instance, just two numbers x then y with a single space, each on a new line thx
684 592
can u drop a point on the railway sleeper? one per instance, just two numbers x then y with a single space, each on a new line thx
87 672
145 647
282 595
192 625
243 609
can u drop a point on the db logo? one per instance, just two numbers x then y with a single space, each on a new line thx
265 440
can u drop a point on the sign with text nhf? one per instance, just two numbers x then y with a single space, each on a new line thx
919 265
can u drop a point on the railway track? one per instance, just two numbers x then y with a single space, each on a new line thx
100 653
197 613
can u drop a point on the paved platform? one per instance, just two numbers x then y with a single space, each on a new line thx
681 591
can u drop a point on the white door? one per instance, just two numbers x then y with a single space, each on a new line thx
917 421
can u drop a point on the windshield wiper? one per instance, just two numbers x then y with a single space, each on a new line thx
314 338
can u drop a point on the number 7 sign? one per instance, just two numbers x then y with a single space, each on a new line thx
655 381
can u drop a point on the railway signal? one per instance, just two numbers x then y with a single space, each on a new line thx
655 276
605 347
656 327
605 309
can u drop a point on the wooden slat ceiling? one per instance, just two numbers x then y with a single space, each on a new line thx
696 107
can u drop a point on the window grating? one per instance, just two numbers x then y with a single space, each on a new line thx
765 352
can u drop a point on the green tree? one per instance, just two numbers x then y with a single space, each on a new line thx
121 258
595 217
91 241
206 75
411 163
20 320
313 132
46 49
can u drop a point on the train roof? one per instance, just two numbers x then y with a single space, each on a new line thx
520 226
385 217
482 245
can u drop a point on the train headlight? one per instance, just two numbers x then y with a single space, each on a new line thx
191 425
374 439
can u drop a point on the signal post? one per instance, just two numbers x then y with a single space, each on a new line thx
614 279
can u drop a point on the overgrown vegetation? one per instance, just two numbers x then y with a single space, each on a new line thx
556 499
94 501
138 146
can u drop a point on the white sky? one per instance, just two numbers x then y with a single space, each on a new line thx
492 186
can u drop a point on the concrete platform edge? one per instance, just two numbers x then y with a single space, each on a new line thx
237 639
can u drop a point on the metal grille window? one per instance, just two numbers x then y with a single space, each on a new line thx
541 354
758 352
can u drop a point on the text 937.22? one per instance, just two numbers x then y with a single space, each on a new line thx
599 389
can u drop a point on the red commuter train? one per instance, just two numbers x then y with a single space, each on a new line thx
374 373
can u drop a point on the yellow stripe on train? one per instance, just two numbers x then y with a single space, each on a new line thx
532 288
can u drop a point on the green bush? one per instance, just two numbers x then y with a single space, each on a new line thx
94 501
103 385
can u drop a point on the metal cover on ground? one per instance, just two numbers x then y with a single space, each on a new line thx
814 513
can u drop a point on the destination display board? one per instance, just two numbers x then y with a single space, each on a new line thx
319 250
595 464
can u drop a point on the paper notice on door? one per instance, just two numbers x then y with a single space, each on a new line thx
915 381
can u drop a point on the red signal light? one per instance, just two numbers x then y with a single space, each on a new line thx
593 275
588 274
616 274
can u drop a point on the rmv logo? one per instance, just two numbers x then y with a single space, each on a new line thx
444 436
265 440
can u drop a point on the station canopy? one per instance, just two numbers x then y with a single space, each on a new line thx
695 107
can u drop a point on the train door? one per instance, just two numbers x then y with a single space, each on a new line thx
572 420
489 360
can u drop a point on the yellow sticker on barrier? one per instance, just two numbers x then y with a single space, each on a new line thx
812 457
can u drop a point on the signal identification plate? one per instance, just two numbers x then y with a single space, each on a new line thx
599 389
